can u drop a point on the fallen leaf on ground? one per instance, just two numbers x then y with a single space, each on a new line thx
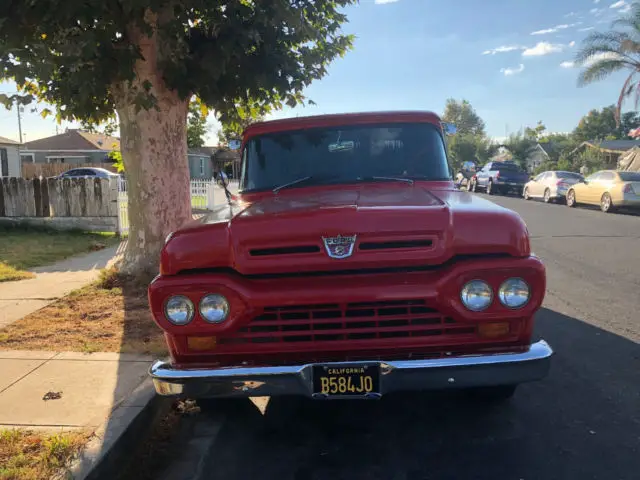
52 396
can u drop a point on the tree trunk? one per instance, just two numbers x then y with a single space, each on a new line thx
153 143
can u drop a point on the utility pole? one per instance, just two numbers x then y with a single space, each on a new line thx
19 122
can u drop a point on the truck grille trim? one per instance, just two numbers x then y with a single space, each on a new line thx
396 244
352 321
264 252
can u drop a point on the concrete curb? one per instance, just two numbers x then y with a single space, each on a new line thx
129 423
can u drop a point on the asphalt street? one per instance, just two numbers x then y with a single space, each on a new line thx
582 422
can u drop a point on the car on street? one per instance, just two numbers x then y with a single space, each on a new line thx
550 186
499 177
610 189
88 172
349 266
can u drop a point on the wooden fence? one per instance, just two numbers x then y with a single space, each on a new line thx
34 170
82 203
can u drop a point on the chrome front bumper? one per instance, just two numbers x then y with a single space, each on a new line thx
406 375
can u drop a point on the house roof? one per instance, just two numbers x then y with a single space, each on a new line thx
7 141
548 147
226 155
75 140
617 146
209 151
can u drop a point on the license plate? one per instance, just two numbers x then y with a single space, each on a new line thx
346 380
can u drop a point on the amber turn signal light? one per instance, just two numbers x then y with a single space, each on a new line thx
493 329
201 343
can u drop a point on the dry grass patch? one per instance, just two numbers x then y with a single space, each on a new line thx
109 316
9 273
26 455
22 248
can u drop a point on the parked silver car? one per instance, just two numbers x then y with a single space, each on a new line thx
551 185
87 172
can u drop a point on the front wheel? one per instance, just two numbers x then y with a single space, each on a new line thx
525 194
472 187
547 196
490 189
606 205
571 198
497 394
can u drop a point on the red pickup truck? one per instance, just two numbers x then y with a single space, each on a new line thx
349 266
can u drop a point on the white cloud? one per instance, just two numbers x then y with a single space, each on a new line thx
570 14
619 4
542 48
512 71
556 28
586 29
503 49
597 11
596 1
542 32
382 2
567 64
572 43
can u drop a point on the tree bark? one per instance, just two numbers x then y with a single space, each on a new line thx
153 143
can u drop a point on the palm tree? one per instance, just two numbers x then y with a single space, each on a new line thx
617 50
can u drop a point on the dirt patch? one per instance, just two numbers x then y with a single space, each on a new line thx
27 455
110 316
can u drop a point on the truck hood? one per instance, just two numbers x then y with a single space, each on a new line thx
394 226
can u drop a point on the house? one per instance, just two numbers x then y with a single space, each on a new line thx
74 146
201 162
228 160
9 158
537 157
611 150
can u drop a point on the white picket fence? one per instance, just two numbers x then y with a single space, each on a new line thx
203 197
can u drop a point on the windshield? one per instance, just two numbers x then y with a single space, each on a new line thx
629 176
508 166
344 154
572 175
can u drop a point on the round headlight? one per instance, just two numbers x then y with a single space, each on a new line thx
514 293
214 308
476 295
179 310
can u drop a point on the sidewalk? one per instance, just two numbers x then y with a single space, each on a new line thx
107 395
22 297
91 387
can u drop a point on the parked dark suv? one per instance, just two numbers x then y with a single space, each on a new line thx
500 177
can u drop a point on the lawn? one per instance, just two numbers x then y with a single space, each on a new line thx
24 248
27 455
111 315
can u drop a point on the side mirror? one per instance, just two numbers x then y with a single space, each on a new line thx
235 144
449 128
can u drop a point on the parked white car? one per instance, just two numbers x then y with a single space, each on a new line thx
550 185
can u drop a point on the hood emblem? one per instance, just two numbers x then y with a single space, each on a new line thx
340 246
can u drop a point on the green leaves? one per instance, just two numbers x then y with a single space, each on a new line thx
463 116
75 53
197 126
604 53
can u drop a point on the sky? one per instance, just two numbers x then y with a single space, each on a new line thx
512 59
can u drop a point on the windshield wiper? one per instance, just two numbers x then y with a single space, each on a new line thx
311 178
387 179
295 182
